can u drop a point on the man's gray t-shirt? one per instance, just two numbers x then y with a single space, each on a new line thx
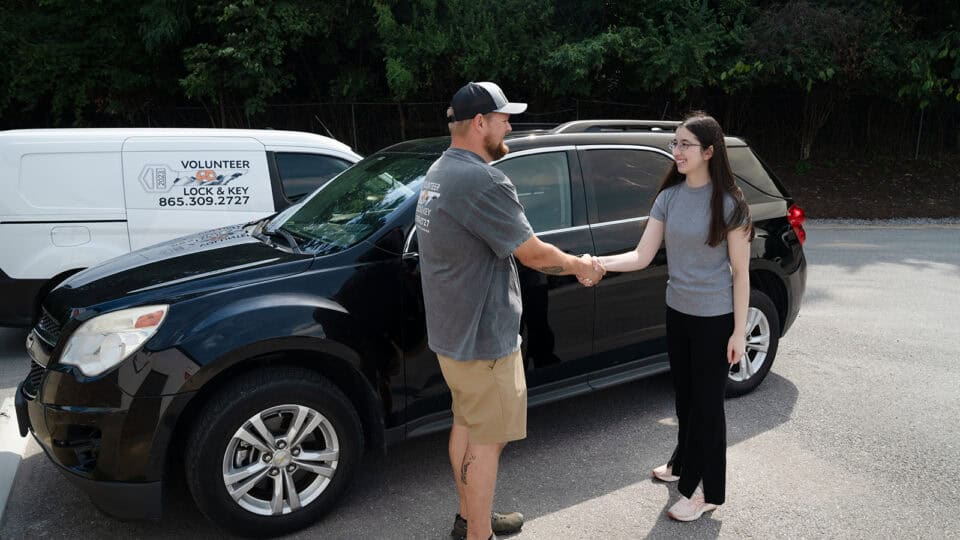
469 222
701 282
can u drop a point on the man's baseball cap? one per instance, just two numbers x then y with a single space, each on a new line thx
481 98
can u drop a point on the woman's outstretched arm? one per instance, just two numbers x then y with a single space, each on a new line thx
640 257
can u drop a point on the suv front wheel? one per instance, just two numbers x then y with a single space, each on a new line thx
273 451
763 337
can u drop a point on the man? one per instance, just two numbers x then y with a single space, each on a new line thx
470 227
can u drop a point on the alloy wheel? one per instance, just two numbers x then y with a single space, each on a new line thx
758 343
280 460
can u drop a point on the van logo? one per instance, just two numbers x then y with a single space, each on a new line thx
161 178
206 175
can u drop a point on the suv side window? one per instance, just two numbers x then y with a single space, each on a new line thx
302 173
623 181
543 186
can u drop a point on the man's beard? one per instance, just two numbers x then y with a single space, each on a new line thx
496 149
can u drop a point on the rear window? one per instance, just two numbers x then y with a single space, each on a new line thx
754 179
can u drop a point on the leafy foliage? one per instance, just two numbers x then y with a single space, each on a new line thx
432 46
244 57
935 70
675 47
64 55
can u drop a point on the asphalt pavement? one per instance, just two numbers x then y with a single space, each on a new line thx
854 434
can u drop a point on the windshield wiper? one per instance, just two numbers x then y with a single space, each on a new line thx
258 221
283 233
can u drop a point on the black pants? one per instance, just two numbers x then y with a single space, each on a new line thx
697 347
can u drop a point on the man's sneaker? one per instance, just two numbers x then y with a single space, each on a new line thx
690 509
500 523
664 473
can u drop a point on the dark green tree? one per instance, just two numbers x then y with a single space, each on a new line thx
67 62
824 52
432 46
674 47
934 70
241 57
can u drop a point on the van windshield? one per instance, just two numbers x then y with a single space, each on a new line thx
356 203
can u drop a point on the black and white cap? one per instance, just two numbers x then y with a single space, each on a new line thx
481 98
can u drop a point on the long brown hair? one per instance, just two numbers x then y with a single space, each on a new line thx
708 132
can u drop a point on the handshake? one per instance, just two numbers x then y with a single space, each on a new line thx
591 271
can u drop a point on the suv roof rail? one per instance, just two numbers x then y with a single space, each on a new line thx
584 126
532 126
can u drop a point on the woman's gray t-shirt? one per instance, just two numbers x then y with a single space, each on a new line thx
701 282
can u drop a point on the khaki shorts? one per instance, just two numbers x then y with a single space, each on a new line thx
489 397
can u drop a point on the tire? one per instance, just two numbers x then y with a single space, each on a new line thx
763 337
229 444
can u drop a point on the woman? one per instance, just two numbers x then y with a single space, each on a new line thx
701 214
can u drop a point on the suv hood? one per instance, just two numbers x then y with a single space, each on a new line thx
184 267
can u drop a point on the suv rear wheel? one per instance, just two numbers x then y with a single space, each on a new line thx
763 337
273 452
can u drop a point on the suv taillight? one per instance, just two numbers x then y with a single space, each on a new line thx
796 217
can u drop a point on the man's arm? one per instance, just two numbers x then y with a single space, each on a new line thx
546 258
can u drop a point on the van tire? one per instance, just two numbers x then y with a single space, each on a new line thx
216 451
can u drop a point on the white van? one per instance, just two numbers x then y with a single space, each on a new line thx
71 198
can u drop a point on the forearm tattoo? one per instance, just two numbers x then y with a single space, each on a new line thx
467 460
554 270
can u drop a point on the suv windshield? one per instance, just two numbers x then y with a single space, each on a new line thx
355 204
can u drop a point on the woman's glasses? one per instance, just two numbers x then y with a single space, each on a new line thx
683 145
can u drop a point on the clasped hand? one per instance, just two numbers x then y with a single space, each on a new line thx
592 272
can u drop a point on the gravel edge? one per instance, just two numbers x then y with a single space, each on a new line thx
950 223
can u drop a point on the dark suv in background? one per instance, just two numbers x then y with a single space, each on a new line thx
269 355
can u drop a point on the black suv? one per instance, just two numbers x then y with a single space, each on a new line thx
269 355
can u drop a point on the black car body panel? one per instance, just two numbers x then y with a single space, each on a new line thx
353 311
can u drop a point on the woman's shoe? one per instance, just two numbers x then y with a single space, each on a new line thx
690 509
664 473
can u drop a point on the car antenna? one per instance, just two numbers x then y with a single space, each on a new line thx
324 126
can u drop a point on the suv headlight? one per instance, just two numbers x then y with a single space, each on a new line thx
104 341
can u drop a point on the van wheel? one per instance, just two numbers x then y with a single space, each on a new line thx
763 337
272 452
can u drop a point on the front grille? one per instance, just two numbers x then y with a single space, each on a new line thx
31 386
48 329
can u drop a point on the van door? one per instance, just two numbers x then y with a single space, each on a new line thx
61 210
176 186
